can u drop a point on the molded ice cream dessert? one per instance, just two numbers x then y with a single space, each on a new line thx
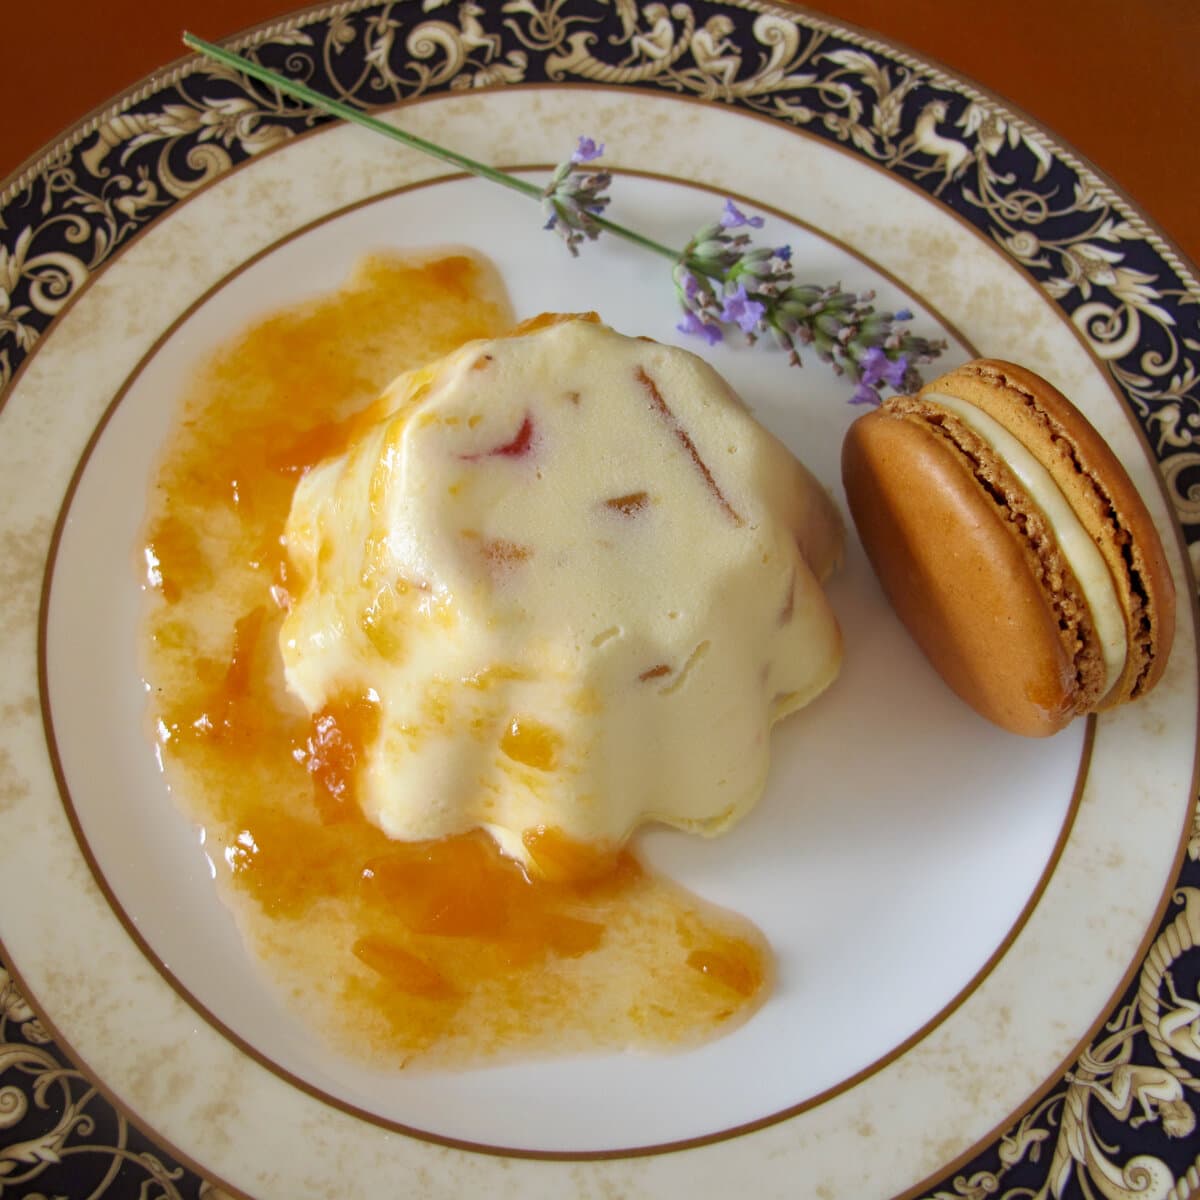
567 584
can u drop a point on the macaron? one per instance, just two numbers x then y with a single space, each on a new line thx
1013 545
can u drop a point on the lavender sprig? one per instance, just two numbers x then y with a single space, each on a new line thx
721 279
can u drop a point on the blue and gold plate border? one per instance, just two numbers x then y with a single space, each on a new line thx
1125 1120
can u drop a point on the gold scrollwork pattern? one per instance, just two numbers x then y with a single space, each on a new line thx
57 1132
1141 1075
1122 1124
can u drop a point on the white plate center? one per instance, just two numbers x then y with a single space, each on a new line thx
900 840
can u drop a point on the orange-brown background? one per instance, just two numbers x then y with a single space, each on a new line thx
1117 79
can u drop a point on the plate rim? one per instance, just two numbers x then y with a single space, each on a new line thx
164 77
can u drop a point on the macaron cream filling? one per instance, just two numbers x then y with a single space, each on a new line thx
1082 555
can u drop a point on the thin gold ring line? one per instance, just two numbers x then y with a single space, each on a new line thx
131 928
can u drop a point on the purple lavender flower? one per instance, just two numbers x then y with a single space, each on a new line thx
872 364
896 371
875 368
742 310
695 327
691 286
734 218
586 150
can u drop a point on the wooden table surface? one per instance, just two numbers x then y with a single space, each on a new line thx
1115 79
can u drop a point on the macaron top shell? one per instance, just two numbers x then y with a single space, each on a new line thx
1102 496
994 592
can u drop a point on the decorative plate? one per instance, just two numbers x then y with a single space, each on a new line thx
987 947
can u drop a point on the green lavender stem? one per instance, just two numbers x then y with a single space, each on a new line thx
337 108
755 289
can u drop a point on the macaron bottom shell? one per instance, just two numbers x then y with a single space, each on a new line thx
958 577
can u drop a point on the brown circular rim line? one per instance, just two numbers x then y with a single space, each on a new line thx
961 84
288 1076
